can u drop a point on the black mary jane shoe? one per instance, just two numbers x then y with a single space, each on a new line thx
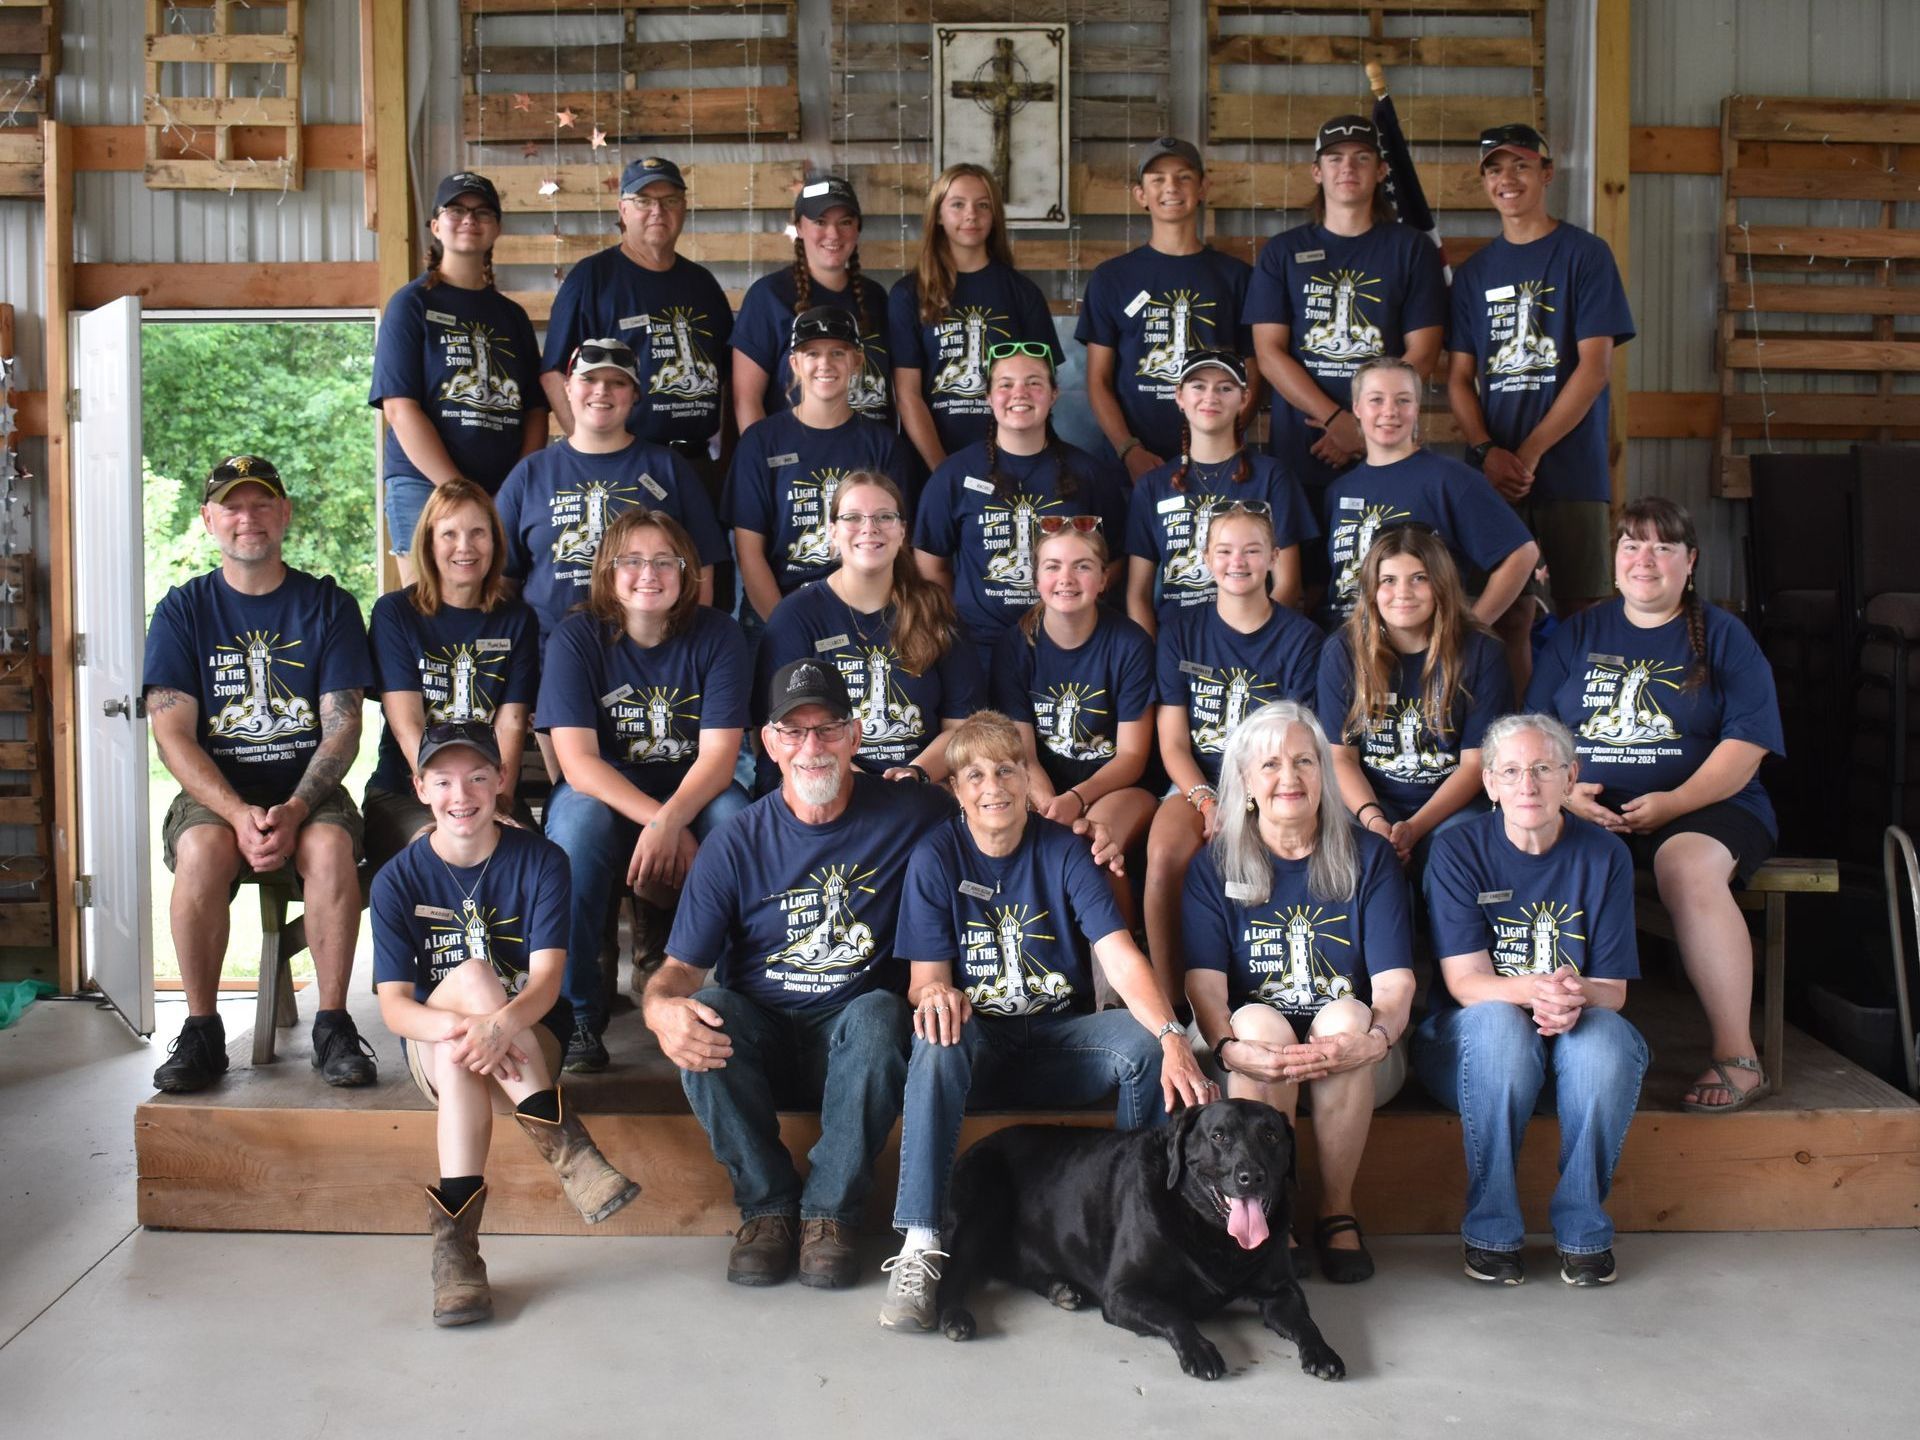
1341 1267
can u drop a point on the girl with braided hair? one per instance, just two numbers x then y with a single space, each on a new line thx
1170 513
825 271
1672 708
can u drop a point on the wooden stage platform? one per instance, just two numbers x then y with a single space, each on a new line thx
275 1149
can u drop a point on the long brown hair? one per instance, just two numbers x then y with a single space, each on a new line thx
1376 664
1092 539
1382 212
604 605
436 252
1658 518
923 613
448 496
933 271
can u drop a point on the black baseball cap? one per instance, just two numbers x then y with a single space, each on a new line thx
643 172
1521 138
465 182
824 193
1169 145
825 322
1225 360
806 682
1343 128
448 734
237 470
610 354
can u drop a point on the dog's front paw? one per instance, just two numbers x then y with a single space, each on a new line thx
1066 1296
1199 1358
1317 1358
957 1324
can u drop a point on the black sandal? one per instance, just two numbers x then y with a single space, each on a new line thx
1342 1267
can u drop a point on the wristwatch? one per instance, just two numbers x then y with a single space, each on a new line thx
1477 454
1172 1027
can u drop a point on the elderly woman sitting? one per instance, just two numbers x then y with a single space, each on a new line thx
1532 912
1299 964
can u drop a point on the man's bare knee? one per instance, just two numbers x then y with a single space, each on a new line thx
206 858
323 854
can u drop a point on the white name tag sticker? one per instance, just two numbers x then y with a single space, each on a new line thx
653 487
1500 292
441 317
1133 305
1171 503
493 645
1493 897
614 697
1596 659
1353 502
976 890
432 912
1194 667
775 461
832 642
819 187
974 482
1307 257
1241 891
636 322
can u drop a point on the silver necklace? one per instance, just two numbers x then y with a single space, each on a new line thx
465 893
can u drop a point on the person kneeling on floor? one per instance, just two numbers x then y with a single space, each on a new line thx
469 942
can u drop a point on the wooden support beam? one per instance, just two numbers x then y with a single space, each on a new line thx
341 284
383 35
60 542
1675 149
122 147
1612 160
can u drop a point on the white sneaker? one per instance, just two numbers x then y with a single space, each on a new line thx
910 1291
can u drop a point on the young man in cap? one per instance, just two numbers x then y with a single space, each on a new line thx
469 943
1536 315
254 677
1147 310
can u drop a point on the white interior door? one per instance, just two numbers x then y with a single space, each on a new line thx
116 927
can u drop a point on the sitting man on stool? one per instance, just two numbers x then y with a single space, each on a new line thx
254 675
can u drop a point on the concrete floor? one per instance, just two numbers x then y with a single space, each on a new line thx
109 1330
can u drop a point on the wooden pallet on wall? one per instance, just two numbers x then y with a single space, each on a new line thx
26 785
1861 151
206 121
29 59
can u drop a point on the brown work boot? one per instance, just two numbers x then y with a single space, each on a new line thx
762 1251
460 1293
827 1258
596 1189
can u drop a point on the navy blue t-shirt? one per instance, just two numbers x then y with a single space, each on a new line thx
464 665
258 665
678 323
1404 759
989 538
1076 700
1018 929
1521 311
1532 913
803 916
1479 529
469 358
1218 677
899 712
1293 951
1621 690
430 917
558 503
765 326
1154 310
648 705
1344 299
784 478
1169 526
991 306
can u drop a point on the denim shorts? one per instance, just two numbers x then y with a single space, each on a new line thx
406 497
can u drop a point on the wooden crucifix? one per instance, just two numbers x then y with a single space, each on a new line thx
1001 96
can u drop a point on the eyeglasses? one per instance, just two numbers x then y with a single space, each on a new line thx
659 564
1511 775
1032 348
664 204
471 212
1054 524
1241 507
880 519
831 733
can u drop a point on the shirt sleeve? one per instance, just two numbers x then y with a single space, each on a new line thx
1206 921
1333 688
1031 319
1096 325
753 331
902 466
169 662
549 919
567 688
785 639
724 688
696 513
399 356
507 502
1601 300
1388 924
963 689
1478 522
1242 327
1167 658
1293 518
345 663
565 327
903 326
936 528
1550 668
523 659
1143 531
1132 674
1612 951
1749 702
526 349
393 957
1108 481
705 918
396 666
1463 325
1269 302
1013 661
1452 890
1488 688
1425 305
1094 909
748 499
926 929
1303 671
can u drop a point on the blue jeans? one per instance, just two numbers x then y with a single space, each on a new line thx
850 1061
406 496
1003 1062
1489 1063
599 841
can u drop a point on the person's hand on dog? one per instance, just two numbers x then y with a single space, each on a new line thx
1182 1081
940 1012
693 1036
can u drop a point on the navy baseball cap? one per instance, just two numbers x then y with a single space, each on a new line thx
237 470
1522 139
825 322
1341 129
824 193
1169 145
445 736
465 182
643 172
807 682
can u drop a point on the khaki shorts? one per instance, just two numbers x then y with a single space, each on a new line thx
1576 545
1388 1076
185 812
416 1067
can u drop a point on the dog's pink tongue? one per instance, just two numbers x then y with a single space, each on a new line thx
1246 1223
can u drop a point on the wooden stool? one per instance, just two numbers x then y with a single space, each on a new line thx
280 941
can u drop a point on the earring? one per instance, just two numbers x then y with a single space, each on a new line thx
1252 809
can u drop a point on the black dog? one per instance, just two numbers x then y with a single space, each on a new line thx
1161 1227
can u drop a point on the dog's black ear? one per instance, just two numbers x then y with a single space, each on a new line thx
1178 1129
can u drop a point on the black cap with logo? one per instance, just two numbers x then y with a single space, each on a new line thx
465 182
1522 139
824 193
237 470
1343 128
807 682
446 735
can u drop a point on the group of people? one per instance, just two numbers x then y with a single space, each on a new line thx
967 669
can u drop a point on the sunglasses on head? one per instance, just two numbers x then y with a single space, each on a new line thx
1032 348
1241 507
592 354
1054 524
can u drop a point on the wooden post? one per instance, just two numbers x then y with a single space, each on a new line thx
383 38
60 539
1612 144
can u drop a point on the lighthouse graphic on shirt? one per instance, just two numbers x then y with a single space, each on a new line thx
1218 702
1622 699
474 352
658 724
963 343
1538 939
680 364
263 706
886 715
811 505
1354 532
1008 529
1336 308
581 516
456 681
1288 952
1061 716
472 933
1186 569
1402 748
1003 974
1171 329
1517 331
824 932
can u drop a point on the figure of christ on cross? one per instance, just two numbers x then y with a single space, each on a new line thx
1001 97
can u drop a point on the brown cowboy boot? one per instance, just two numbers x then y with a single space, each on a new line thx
596 1189
460 1293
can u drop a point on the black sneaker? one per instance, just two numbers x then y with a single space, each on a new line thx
341 1054
197 1057
1588 1269
1496 1267
586 1054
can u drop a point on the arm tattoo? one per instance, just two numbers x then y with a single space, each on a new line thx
161 699
339 743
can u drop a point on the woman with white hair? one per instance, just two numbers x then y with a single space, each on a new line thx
1299 959
1532 915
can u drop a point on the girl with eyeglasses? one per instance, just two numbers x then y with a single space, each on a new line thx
888 630
788 468
1171 509
982 510
962 296
645 696
825 271
456 369
1216 665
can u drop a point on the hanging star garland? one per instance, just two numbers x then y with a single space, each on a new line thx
530 150
599 138
565 118
549 186
522 101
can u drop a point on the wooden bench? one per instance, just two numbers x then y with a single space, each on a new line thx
1767 893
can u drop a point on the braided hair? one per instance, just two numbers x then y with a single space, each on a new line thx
803 286
1242 472
1656 518
436 252
1066 483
